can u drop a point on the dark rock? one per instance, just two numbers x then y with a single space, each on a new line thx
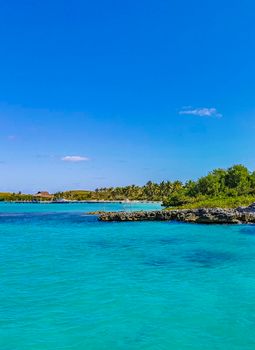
97 212
249 209
203 215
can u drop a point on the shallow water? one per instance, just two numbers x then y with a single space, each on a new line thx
71 282
6 207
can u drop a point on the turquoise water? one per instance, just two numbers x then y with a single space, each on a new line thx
74 207
69 282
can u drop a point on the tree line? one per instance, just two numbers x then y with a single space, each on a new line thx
151 191
220 187
223 187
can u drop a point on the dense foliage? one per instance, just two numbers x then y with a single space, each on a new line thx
7 196
19 197
151 191
222 187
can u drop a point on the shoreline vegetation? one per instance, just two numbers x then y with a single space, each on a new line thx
224 188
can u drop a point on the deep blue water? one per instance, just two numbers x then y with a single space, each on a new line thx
70 282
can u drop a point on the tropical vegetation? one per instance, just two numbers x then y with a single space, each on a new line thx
230 187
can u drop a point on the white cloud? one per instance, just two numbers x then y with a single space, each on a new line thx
201 112
74 159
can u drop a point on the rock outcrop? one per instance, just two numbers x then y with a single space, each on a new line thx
203 215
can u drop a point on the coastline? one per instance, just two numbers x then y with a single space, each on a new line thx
202 215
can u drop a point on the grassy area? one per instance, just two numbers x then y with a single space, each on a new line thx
9 197
229 202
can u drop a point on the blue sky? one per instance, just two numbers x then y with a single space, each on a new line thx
103 93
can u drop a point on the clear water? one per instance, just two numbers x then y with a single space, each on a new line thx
6 207
70 282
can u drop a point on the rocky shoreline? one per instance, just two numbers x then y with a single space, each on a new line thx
203 215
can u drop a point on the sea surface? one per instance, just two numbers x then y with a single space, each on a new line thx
70 282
